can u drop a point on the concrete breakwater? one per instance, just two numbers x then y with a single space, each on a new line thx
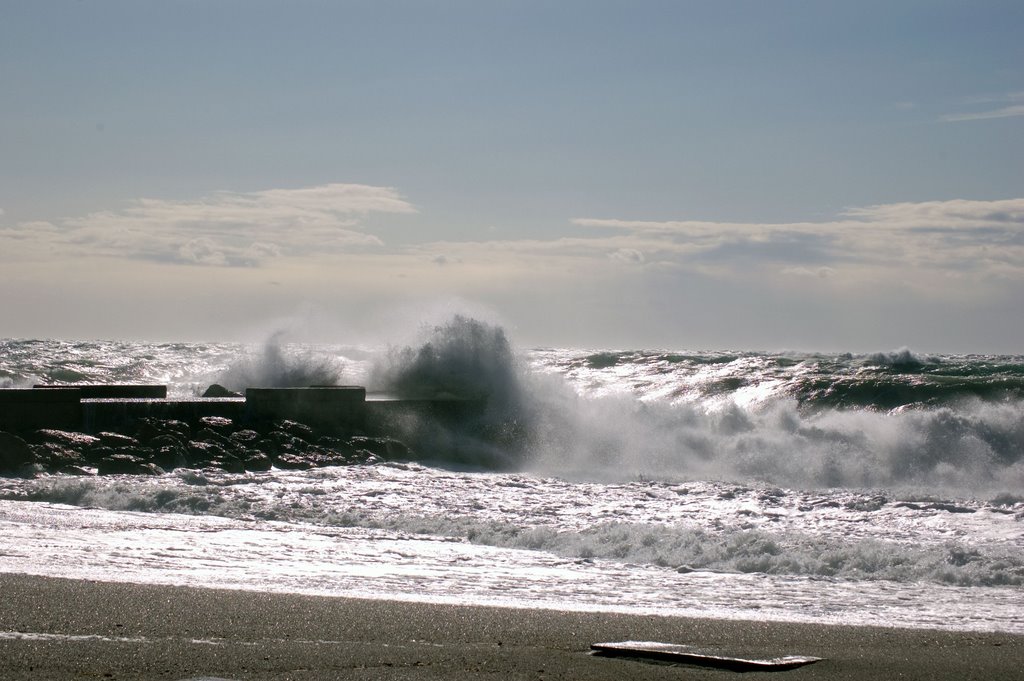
137 429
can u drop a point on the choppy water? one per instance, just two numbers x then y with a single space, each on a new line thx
876 488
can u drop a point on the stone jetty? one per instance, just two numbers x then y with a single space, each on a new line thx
136 429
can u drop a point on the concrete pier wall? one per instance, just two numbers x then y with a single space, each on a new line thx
32 409
393 415
337 409
118 415
115 392
340 408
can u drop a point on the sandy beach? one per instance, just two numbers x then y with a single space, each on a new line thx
66 629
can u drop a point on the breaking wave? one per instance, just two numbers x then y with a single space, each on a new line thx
273 367
462 358
551 423
892 420
690 547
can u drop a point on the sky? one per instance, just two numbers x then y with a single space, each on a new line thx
765 174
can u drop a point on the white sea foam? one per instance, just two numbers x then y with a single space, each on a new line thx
424 559
688 527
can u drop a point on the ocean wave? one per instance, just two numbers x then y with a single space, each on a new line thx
684 547
977 448
903 358
890 420
539 422
687 549
273 367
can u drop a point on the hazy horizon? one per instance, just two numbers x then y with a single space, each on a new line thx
609 175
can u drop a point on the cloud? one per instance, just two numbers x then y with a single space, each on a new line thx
1009 110
819 272
907 243
956 214
1002 112
981 238
628 255
222 229
931 245
441 260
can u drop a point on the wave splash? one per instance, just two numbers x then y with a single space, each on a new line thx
272 367
540 421
484 414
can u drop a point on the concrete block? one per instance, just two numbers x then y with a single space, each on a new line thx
122 414
113 392
27 410
335 408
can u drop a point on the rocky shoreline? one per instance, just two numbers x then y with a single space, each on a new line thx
156 446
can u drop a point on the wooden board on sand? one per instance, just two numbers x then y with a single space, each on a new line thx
682 654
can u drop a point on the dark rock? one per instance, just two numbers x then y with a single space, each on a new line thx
288 443
116 440
127 464
322 457
217 424
295 429
336 444
244 436
213 455
266 446
229 463
204 453
144 453
166 440
397 450
54 456
217 390
15 453
75 470
207 435
385 448
257 461
149 428
170 457
289 461
370 459
79 441
97 453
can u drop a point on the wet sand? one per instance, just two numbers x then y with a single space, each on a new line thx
67 629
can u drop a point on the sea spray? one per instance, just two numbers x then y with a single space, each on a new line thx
463 358
462 361
273 367
977 449
941 437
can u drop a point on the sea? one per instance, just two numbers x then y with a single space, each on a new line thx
873 489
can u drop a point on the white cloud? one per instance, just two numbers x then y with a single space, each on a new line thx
1002 112
628 255
1009 110
819 272
224 228
976 244
956 214
984 238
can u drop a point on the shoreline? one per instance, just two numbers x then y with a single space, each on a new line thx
53 628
